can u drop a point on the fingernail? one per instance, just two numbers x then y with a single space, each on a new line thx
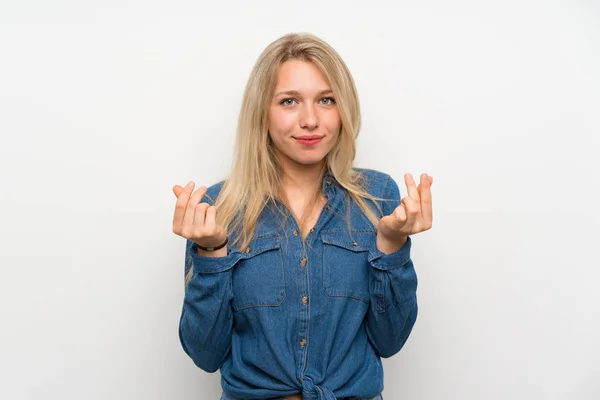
190 184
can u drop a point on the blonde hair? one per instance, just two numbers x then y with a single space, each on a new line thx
255 177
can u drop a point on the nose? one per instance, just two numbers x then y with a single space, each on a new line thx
309 118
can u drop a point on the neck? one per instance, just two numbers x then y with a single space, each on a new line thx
302 178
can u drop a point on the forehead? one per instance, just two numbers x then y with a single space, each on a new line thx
300 75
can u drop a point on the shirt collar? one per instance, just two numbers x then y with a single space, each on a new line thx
329 183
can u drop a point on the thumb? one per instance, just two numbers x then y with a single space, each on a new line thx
177 190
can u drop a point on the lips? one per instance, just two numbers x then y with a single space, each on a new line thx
309 140
309 137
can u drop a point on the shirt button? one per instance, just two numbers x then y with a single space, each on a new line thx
248 250
354 244
295 232
328 207
328 182
303 261
304 300
312 229
303 343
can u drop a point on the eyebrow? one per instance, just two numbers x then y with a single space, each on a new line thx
296 93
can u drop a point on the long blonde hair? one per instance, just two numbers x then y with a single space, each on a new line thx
255 177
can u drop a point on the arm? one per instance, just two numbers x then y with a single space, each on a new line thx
206 319
393 288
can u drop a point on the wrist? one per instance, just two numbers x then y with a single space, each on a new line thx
388 246
222 252
213 248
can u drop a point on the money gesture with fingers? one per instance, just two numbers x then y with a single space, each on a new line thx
194 220
413 215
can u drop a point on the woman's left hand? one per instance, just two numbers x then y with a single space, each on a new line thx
413 215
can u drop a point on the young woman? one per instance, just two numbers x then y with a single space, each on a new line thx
298 271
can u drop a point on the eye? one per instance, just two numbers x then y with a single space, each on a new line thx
328 100
287 102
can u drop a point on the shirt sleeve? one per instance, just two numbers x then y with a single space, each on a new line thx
393 290
206 319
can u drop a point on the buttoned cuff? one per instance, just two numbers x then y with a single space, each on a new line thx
386 262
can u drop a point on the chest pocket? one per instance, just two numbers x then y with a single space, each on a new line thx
345 263
258 279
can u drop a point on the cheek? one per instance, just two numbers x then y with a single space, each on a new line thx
280 122
335 121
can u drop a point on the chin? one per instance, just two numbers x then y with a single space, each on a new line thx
308 160
305 158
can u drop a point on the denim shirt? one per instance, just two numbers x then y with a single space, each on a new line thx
280 317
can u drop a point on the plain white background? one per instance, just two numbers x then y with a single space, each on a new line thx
104 106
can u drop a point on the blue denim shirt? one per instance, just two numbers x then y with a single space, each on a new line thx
281 317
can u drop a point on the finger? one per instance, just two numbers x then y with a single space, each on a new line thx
411 186
180 205
412 211
190 210
426 206
210 220
400 213
200 218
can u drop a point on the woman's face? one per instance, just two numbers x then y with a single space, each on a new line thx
304 121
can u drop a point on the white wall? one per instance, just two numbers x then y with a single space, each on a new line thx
104 106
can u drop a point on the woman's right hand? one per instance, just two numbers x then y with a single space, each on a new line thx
194 220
